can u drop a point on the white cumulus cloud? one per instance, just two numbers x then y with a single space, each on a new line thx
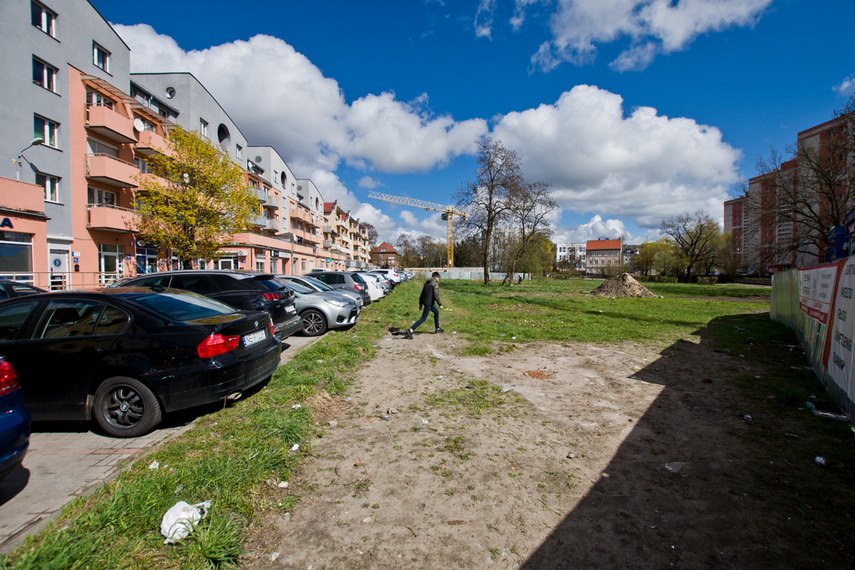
278 97
597 159
651 26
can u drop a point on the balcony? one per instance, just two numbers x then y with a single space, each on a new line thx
150 143
110 124
273 225
112 218
22 196
109 170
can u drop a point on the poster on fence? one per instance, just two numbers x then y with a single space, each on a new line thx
839 361
816 291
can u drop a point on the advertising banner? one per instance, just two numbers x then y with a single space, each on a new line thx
816 291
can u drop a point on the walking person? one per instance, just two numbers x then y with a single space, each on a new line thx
428 301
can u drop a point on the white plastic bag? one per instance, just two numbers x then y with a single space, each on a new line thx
180 520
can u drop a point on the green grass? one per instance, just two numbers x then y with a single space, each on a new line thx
231 454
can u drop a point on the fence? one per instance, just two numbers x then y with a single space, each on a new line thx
819 305
464 273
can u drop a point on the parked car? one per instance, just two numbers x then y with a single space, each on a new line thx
394 277
251 291
347 280
320 287
372 285
320 312
124 356
15 423
10 289
382 279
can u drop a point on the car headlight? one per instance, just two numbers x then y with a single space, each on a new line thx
335 303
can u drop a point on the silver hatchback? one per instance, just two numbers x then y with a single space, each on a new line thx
320 312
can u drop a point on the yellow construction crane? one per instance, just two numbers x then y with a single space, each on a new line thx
448 213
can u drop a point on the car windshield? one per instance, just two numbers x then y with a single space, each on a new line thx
299 287
269 283
182 306
318 283
358 278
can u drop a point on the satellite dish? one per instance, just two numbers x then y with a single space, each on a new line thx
258 160
139 125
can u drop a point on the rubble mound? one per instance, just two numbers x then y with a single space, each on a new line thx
623 285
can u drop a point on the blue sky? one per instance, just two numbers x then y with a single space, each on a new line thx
632 110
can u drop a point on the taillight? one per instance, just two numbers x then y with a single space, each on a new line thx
8 377
271 296
217 344
270 326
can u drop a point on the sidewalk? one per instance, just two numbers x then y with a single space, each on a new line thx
71 462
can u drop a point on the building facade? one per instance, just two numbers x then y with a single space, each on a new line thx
572 252
385 255
604 256
79 129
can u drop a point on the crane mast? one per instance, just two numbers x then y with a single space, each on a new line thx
448 215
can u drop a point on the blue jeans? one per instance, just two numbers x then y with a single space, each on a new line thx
428 309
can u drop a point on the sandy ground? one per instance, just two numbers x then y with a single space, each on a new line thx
589 456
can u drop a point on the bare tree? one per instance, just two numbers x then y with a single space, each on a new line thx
485 199
528 208
794 202
696 236
406 248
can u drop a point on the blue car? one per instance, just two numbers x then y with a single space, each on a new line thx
15 425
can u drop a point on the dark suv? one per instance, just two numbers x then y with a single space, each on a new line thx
244 291
347 280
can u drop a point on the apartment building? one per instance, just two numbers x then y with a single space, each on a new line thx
766 235
347 238
79 129
575 252
603 256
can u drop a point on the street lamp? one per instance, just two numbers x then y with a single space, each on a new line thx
36 142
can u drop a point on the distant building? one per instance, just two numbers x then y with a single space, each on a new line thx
385 255
573 252
604 256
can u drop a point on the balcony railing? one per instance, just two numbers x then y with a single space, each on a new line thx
113 218
110 124
107 169
150 143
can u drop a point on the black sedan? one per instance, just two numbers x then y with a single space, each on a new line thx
10 289
125 356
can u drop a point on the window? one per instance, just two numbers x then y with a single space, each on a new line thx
44 75
14 318
44 19
203 128
238 152
50 185
98 197
46 130
93 98
142 165
100 57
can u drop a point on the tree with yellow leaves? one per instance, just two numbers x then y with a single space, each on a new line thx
197 200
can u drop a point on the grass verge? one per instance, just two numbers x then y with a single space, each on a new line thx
235 457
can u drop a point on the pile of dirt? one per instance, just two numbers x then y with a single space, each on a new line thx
623 285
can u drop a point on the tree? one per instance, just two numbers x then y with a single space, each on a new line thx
539 256
696 236
406 248
528 208
467 252
485 199
196 202
796 201
371 233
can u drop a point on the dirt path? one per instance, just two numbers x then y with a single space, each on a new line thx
589 456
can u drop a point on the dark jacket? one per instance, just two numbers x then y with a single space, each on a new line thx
430 294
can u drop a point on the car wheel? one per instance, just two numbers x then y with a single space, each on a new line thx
125 407
314 323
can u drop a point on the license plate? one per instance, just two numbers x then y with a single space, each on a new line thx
254 338
290 309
